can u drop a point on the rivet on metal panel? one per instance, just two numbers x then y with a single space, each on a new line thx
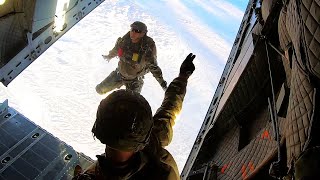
36 135
5 160
7 116
68 157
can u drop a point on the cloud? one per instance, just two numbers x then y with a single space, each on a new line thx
222 9
201 32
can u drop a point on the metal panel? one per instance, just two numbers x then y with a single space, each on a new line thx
45 32
44 14
29 152
236 72
244 30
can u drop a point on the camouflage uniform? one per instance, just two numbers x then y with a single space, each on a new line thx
136 59
153 161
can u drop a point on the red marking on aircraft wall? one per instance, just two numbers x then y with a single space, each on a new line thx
251 167
224 168
266 135
247 168
243 171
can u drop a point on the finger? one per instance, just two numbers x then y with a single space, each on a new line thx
190 58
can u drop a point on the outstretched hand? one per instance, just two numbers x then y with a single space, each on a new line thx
106 57
77 172
187 66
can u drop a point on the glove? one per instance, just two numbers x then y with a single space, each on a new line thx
187 66
77 170
164 85
106 57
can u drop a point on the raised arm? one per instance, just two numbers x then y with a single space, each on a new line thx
114 51
171 106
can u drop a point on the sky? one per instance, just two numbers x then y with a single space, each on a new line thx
57 91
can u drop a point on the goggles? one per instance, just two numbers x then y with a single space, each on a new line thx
135 30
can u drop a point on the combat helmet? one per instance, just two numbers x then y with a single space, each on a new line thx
139 26
123 121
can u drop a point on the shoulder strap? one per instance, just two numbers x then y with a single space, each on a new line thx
123 38
147 43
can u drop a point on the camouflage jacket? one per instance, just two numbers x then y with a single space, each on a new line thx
153 162
136 59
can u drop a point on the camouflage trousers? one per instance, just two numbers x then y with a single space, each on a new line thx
115 81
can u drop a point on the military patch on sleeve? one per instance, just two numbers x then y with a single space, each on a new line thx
120 52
